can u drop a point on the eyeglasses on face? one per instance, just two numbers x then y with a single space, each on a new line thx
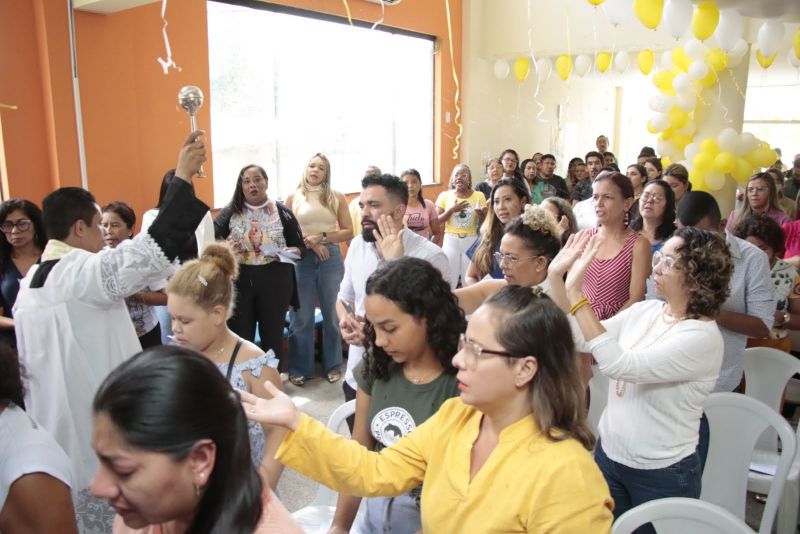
474 352
658 257
757 189
655 197
509 259
21 225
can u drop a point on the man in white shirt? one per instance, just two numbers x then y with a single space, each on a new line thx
381 195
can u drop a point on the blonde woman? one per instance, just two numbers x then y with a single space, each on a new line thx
761 196
325 222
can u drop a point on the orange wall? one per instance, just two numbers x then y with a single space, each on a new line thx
132 126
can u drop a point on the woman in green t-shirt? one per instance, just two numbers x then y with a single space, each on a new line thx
413 327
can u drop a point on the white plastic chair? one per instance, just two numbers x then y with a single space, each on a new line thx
767 372
736 422
679 515
598 397
317 516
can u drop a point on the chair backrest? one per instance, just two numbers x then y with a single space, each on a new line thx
598 397
325 496
679 515
736 421
766 372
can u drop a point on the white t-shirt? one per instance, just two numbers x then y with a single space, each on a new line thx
585 215
26 448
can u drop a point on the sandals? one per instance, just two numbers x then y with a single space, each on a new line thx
298 381
334 376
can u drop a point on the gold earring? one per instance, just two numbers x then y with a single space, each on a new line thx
197 489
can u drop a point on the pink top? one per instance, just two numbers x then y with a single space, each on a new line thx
791 238
418 219
275 519
607 283
779 216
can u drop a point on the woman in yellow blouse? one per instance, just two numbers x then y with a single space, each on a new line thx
509 455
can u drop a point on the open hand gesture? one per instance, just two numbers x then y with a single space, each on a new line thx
583 257
388 239
279 410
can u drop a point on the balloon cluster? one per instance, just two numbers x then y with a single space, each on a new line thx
730 154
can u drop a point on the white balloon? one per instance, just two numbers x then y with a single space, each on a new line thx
617 11
728 139
677 16
621 61
691 150
770 36
666 148
689 128
794 61
661 103
544 67
582 64
686 101
681 82
747 143
501 69
736 55
666 60
698 70
695 49
730 28
660 121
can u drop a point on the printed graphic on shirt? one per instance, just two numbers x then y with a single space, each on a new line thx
391 424
463 219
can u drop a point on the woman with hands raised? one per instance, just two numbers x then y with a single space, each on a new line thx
516 396
664 357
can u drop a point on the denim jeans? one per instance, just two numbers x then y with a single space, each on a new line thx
316 279
631 487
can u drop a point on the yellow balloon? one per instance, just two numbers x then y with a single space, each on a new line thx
765 61
649 12
603 61
710 80
663 80
680 59
522 66
668 132
665 161
677 118
715 180
725 162
596 2
717 59
564 65
743 170
698 181
705 20
703 162
680 141
645 61
651 128
796 43
709 147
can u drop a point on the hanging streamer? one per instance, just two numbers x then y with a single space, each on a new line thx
380 20
736 84
535 67
169 62
8 106
455 80
347 9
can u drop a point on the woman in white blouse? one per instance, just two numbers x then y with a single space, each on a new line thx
663 359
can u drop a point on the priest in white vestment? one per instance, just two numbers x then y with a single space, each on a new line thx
70 316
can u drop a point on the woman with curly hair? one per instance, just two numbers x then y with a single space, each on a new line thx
761 196
664 357
766 234
509 196
413 325
22 240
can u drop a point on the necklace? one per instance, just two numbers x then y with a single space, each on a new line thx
619 388
421 379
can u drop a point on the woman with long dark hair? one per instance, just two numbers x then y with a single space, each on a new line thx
656 218
421 216
22 240
266 239
174 453
510 455
413 326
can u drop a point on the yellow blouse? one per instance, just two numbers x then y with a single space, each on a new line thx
528 484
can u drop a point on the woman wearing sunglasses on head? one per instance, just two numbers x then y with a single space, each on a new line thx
474 455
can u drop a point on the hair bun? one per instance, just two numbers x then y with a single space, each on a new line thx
539 219
220 254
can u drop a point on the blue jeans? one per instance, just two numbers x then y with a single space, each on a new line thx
316 279
631 487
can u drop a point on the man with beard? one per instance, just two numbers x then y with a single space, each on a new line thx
381 195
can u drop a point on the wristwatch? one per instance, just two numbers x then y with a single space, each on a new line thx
324 237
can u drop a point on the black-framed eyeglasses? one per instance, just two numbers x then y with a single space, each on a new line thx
22 225
474 351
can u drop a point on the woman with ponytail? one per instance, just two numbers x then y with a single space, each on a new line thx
174 452
200 299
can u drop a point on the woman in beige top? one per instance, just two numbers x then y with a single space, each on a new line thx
325 222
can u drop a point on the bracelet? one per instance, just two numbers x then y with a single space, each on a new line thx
578 305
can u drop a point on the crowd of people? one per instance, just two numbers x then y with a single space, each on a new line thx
139 373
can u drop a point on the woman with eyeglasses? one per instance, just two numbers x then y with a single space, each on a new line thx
656 219
21 244
413 327
663 358
266 239
461 210
761 196
510 160
618 273
509 455
508 198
